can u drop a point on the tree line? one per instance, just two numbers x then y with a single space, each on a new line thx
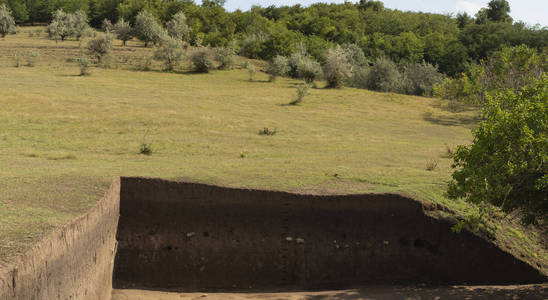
446 41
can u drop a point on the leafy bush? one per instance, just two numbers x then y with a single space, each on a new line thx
201 59
147 28
170 52
106 25
305 68
123 31
226 57
302 91
384 76
7 23
32 58
251 70
278 66
336 70
100 46
420 79
360 77
177 27
355 56
84 63
507 163
267 131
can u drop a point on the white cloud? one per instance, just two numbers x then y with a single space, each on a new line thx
470 7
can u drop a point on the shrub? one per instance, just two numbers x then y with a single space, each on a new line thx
177 27
360 77
146 149
100 46
106 26
147 28
355 56
144 63
420 78
384 76
308 69
302 91
32 58
267 131
170 52
18 62
251 70
278 66
7 23
201 59
507 163
123 31
226 57
336 70
84 63
431 165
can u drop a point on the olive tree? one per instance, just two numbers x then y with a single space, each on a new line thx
170 52
80 24
7 23
123 31
278 66
336 70
147 28
177 27
61 25
100 46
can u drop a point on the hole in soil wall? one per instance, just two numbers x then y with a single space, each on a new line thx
185 236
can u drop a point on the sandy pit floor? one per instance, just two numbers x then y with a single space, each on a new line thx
526 292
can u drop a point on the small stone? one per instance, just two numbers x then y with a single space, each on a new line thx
299 241
190 234
289 239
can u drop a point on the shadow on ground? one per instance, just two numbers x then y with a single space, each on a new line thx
527 292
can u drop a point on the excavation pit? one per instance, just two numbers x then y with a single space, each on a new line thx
154 234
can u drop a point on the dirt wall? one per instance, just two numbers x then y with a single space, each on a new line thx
74 262
175 235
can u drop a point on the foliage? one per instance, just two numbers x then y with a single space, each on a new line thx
7 23
384 76
147 28
251 70
336 70
278 66
302 91
507 163
32 58
80 24
226 57
84 63
201 60
420 78
100 46
62 25
304 67
106 26
123 31
170 52
177 27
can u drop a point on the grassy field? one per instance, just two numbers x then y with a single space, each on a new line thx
63 137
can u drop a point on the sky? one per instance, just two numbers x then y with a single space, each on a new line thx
531 12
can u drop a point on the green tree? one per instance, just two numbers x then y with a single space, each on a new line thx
170 52
7 23
123 31
336 70
507 163
178 28
147 28
62 25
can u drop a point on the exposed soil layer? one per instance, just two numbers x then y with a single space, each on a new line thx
74 262
186 236
527 292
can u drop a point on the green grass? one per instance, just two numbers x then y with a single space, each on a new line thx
63 137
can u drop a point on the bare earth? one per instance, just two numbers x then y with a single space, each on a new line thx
532 292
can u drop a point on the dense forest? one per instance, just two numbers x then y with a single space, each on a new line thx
446 41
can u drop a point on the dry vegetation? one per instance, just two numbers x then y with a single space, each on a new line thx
64 136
